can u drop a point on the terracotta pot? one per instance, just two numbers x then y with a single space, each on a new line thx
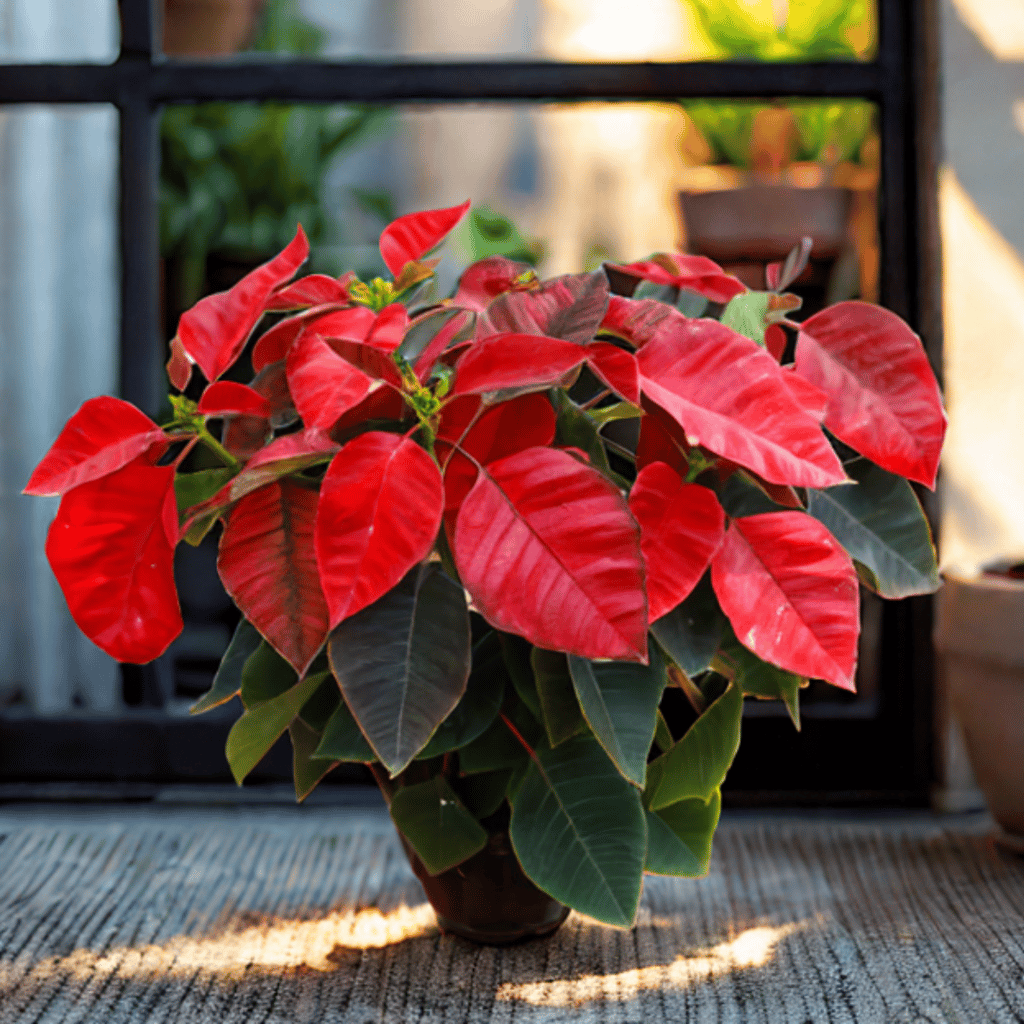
979 636
488 898
208 28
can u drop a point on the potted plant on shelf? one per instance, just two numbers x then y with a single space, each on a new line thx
762 175
448 572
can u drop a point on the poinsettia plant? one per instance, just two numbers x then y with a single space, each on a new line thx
474 540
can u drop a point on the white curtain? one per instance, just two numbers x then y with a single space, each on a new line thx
58 337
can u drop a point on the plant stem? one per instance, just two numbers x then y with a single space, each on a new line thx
218 449
619 449
599 397
387 787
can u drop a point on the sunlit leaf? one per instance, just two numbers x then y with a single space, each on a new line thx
409 237
679 837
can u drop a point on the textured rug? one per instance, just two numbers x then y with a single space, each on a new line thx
264 914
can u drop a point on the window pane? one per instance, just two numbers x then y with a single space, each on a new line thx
572 30
58 325
58 30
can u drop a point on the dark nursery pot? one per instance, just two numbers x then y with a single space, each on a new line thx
488 898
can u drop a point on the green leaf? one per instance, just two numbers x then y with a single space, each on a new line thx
318 710
558 704
307 768
479 705
483 794
620 702
666 293
740 496
577 429
679 837
342 739
618 411
747 314
262 725
759 678
496 748
423 330
192 488
266 675
881 524
517 653
690 634
228 680
580 833
403 663
697 765
691 304
662 734
437 824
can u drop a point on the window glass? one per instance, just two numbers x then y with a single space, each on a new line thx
34 31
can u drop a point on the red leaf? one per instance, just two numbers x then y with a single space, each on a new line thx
636 320
373 362
354 322
382 404
111 547
485 280
775 341
272 383
681 527
883 397
312 290
243 436
548 550
527 421
438 344
409 237
616 368
731 397
389 328
656 444
790 592
268 566
323 385
101 437
282 457
515 361
226 397
570 308
380 509
179 366
214 331
813 400
696 273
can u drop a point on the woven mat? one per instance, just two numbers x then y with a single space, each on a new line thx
311 914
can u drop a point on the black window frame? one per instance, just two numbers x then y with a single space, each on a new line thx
883 759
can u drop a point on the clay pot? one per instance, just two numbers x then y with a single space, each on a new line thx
488 898
208 28
979 636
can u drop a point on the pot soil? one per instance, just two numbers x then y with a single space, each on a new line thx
980 640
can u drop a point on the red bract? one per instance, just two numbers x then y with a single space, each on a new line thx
635 320
696 273
729 396
486 279
887 407
329 321
616 368
214 331
515 360
373 362
532 570
409 237
388 328
268 566
104 435
380 509
111 548
225 397
570 308
681 527
790 592
323 385
314 290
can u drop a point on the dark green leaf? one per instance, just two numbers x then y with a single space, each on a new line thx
497 748
516 651
679 837
483 794
261 726
574 428
691 304
580 833
759 679
740 496
747 313
307 768
662 734
424 329
558 704
620 702
691 632
266 675
696 766
881 524
192 488
228 680
667 293
479 705
437 824
403 663
342 740
318 710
